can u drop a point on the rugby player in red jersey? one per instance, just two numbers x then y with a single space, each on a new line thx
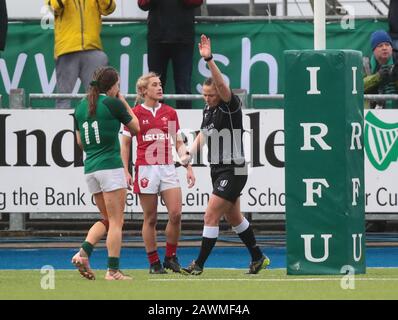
155 172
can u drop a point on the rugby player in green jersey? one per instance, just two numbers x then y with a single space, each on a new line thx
97 121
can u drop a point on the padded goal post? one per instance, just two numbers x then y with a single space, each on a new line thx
324 154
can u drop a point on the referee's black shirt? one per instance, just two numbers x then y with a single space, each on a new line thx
223 129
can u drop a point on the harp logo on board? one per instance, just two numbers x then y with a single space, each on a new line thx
380 141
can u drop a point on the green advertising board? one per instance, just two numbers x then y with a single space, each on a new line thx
249 54
324 168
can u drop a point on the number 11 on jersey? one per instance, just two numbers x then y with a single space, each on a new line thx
94 125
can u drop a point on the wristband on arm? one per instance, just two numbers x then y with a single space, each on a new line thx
209 58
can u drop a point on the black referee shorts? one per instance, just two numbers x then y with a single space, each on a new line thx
228 181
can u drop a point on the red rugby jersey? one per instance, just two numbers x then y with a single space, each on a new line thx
157 126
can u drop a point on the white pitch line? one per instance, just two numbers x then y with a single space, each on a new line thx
278 280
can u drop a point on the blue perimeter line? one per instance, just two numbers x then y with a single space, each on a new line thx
135 258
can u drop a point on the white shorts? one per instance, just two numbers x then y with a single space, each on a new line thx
153 179
106 180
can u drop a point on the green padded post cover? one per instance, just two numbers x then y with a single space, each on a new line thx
324 154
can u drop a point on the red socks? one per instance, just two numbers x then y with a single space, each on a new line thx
171 249
153 257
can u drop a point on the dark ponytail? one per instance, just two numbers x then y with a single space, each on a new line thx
92 97
103 79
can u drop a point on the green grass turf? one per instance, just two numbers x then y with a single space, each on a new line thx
212 284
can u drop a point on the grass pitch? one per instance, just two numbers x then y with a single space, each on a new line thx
221 284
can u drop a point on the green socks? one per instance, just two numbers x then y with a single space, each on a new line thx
88 248
113 263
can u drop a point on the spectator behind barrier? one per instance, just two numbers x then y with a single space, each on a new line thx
171 36
381 70
78 48
3 24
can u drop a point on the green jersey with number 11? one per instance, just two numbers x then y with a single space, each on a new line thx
100 133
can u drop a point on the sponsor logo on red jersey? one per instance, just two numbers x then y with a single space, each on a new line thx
165 121
155 136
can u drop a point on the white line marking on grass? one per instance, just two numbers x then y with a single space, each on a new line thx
278 280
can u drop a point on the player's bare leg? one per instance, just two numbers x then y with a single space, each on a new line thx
173 201
149 204
81 259
100 228
115 203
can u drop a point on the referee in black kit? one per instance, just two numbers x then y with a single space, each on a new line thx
222 130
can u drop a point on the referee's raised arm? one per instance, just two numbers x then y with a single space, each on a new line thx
205 51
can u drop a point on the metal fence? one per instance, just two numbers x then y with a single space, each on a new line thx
242 94
17 97
40 96
269 18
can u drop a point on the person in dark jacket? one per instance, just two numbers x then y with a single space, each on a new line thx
393 22
171 36
3 24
